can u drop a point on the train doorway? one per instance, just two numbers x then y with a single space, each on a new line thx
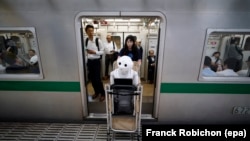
148 29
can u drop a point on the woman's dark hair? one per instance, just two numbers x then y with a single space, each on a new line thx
131 37
134 48
207 61
217 52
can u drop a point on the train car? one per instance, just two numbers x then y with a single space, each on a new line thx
55 87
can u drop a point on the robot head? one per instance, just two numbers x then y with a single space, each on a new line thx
125 64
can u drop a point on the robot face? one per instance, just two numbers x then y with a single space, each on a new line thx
124 63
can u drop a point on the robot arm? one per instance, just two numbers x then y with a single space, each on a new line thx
112 77
135 78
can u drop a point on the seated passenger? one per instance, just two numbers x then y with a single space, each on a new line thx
17 67
207 71
228 67
124 70
245 72
33 57
216 62
34 67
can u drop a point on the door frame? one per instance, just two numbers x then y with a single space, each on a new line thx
161 46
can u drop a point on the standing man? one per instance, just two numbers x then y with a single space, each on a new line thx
234 51
110 49
151 66
138 43
94 49
140 47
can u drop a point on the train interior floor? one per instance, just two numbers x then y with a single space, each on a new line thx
148 91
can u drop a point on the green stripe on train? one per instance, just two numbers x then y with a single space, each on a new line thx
197 88
211 88
39 86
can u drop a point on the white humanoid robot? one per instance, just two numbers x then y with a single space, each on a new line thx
124 70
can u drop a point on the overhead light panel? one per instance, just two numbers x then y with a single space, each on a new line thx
120 20
135 20
89 20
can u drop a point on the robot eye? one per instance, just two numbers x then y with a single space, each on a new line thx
119 63
125 65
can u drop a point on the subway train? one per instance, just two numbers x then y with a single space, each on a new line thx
180 32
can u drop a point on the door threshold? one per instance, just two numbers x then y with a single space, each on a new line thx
104 116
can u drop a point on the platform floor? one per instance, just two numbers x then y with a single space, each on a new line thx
23 131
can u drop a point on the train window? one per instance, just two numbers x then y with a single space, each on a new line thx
226 55
19 54
247 44
117 40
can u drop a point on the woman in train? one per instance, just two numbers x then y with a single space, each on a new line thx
216 62
130 49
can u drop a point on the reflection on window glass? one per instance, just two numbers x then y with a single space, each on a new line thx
227 54
18 52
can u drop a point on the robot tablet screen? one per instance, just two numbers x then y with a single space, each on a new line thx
123 81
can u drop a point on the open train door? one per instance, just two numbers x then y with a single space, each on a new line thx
153 22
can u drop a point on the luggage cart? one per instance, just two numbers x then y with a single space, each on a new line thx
123 107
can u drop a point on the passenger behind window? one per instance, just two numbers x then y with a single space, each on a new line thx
245 72
13 63
207 71
228 68
10 44
34 67
8 57
233 51
216 62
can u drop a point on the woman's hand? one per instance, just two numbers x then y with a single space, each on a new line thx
139 62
